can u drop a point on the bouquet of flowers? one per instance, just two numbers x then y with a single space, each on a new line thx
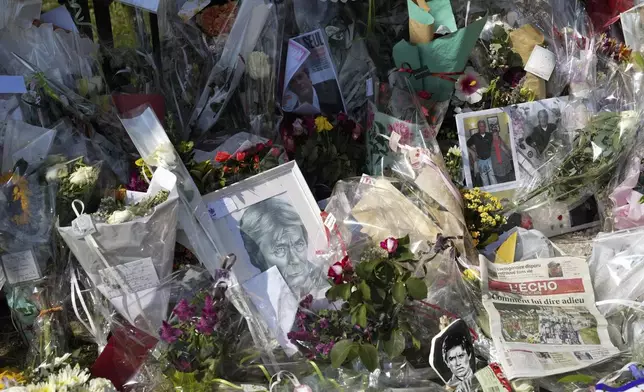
483 216
127 247
325 149
373 295
55 375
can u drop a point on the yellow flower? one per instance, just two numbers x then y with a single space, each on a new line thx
322 124
470 275
480 209
476 234
12 378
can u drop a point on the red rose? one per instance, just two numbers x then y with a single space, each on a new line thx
226 169
337 270
222 156
240 156
260 147
256 159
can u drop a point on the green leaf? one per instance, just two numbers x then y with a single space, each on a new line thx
361 316
355 298
395 345
581 378
399 292
339 291
365 290
403 241
416 342
417 288
340 351
369 356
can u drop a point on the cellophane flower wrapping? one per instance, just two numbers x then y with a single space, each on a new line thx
129 255
34 273
624 209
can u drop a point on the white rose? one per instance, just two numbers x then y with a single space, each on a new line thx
120 217
56 172
163 156
258 65
83 175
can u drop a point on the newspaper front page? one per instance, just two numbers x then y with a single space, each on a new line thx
310 81
543 317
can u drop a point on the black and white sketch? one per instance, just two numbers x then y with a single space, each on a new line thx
452 356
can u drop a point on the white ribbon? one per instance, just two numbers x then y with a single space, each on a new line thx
288 375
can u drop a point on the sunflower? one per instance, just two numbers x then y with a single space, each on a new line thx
20 193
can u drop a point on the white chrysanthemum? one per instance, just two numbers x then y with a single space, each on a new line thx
69 377
101 385
83 176
56 172
163 157
119 217
15 389
258 65
42 387
454 151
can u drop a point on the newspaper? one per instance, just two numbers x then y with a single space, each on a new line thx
543 316
310 80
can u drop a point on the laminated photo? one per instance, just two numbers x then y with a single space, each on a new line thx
452 356
310 82
505 147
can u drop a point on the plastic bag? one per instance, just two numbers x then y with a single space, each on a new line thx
627 189
154 146
132 252
25 142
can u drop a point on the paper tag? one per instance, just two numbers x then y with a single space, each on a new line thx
139 275
329 222
369 87
83 226
222 207
414 156
12 84
393 141
541 63
20 267
367 179
492 379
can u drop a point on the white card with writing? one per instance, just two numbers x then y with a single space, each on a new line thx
20 267
138 275
541 63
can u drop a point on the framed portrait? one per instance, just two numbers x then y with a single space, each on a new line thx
271 220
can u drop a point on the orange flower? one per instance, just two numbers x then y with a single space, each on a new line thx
222 156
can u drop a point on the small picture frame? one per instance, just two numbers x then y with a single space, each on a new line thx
271 219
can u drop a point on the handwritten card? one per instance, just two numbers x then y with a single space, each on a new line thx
136 275
20 267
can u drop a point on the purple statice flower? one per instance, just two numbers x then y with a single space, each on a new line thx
183 310
301 336
306 302
324 323
208 310
170 334
205 325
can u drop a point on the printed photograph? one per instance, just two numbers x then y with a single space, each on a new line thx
488 153
554 270
452 356
547 325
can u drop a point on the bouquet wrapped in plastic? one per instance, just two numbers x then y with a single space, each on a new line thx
127 249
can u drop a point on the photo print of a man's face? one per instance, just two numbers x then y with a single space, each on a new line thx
452 356
301 85
274 235
457 354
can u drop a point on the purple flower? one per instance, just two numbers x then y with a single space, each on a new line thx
306 302
324 323
320 347
183 310
301 336
327 348
170 334
205 325
208 310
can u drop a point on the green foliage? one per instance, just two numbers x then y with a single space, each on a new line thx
369 356
340 351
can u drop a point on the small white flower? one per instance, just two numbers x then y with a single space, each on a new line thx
83 176
163 157
454 151
15 389
258 65
120 217
56 172
69 377
101 385
41 387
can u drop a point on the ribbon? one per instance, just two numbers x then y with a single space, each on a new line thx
45 312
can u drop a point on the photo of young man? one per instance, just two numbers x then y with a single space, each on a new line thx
480 144
452 356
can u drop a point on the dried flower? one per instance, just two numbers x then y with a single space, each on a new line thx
390 245
470 86
322 124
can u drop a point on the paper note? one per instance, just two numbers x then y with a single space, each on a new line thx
222 207
20 267
136 276
10 84
329 222
60 17
541 63
393 140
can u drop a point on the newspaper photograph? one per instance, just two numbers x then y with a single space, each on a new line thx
310 82
543 317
